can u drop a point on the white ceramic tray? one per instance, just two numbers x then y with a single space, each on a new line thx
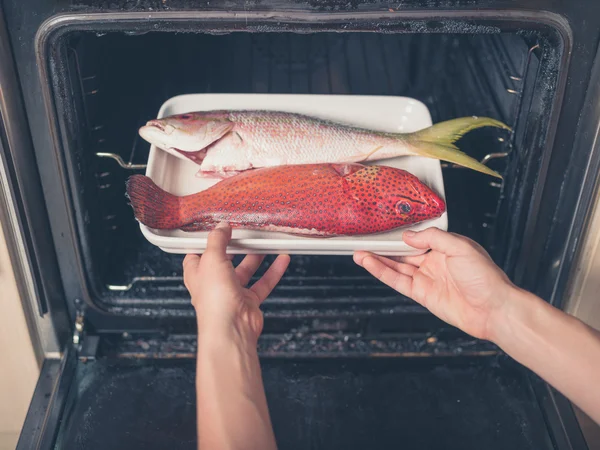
392 114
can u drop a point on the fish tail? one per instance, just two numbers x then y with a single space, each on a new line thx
438 140
153 206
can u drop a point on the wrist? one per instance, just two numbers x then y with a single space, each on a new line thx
517 308
235 321
225 333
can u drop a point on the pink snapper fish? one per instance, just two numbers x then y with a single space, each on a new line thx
224 143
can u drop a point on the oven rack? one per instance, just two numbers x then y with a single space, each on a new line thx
133 166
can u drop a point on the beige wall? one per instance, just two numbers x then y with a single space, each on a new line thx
583 300
18 367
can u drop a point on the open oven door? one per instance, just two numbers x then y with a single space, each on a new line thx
329 403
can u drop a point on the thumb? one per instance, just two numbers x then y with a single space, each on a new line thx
218 239
436 239
191 262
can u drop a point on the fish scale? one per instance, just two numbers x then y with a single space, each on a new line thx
302 139
309 200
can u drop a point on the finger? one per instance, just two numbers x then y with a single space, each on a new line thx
436 239
190 266
360 256
415 260
405 269
218 239
396 280
191 262
263 287
248 267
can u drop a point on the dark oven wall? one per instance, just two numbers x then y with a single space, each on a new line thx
115 81
102 78
120 81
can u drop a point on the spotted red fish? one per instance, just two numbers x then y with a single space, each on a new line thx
310 200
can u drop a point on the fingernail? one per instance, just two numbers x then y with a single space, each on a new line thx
357 259
409 233
222 225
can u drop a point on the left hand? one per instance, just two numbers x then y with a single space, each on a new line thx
220 295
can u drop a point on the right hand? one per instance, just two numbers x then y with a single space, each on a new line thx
457 280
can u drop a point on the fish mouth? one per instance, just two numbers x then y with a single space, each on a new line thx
158 133
152 133
154 126
433 201
438 204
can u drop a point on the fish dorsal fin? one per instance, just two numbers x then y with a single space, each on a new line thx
347 173
346 169
363 174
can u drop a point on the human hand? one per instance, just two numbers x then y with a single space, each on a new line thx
219 293
457 280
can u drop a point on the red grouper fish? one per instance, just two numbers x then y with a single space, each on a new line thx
224 143
318 200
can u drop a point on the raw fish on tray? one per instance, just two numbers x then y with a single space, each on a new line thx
224 143
316 200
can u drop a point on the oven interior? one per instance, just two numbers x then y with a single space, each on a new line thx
108 84
337 343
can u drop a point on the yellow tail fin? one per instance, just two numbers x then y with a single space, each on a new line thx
438 140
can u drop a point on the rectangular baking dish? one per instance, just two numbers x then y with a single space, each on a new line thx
384 113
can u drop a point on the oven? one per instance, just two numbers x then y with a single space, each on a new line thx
347 362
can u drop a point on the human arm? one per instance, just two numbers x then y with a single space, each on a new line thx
558 347
232 409
458 282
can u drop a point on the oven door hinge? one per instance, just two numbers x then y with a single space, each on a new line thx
86 345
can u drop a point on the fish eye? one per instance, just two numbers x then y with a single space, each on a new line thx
404 207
